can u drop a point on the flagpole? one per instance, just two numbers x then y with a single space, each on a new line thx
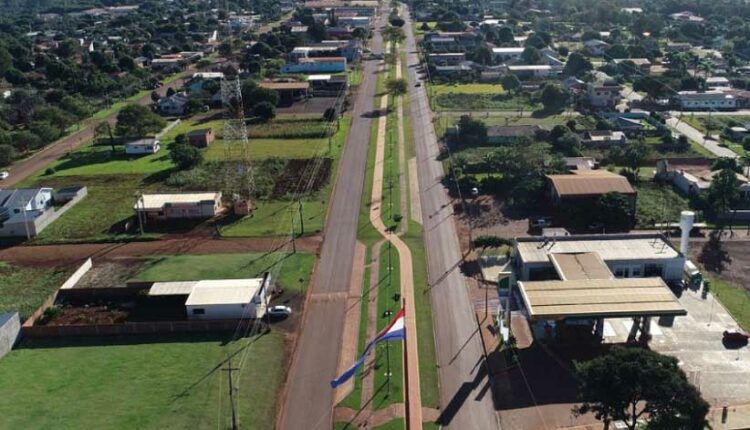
406 370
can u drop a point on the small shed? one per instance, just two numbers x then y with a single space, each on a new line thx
228 299
201 138
142 146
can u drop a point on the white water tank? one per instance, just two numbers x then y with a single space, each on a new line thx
686 224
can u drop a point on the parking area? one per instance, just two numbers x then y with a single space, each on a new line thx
720 371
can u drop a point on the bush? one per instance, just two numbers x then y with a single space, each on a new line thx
180 139
264 111
185 156
7 155
492 242
50 171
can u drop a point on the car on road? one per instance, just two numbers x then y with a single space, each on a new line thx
4 175
735 336
279 311
540 222
418 84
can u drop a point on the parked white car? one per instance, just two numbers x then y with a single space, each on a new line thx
4 175
279 311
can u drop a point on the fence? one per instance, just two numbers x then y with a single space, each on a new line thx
77 275
166 129
10 326
49 216
135 328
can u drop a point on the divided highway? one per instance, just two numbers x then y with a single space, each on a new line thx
465 394
308 397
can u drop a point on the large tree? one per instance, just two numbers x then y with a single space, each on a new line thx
397 87
614 211
628 384
138 121
576 65
553 97
724 191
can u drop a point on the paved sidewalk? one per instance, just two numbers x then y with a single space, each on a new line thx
413 394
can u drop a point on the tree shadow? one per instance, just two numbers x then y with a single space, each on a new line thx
713 256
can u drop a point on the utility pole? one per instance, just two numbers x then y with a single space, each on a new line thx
301 218
291 218
229 370
140 208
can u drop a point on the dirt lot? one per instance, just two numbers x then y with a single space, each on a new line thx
735 268
110 274
315 105
70 255
489 216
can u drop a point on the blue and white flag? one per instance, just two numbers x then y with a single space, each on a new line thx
393 331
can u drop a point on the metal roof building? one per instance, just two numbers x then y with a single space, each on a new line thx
599 298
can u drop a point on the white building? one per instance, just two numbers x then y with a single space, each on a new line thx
148 145
709 100
605 93
626 255
178 205
507 54
696 180
596 47
22 211
228 299
536 70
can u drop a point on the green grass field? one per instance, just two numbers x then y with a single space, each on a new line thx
293 269
100 160
274 217
109 201
165 382
24 289
437 89
658 203
271 148
734 299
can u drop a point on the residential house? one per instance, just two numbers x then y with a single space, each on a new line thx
452 41
446 58
686 15
583 186
737 133
708 100
603 138
147 145
604 93
695 179
596 47
456 71
228 299
24 212
581 163
178 206
538 71
718 83
199 79
328 85
168 65
643 64
174 105
678 47
289 92
201 138
507 54
316 65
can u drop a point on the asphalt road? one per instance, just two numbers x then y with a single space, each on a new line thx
308 397
693 134
40 160
465 395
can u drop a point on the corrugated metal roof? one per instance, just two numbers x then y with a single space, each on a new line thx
285 85
157 201
589 298
225 291
585 184
182 288
585 265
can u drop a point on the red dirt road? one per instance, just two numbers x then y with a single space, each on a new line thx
64 255
54 151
